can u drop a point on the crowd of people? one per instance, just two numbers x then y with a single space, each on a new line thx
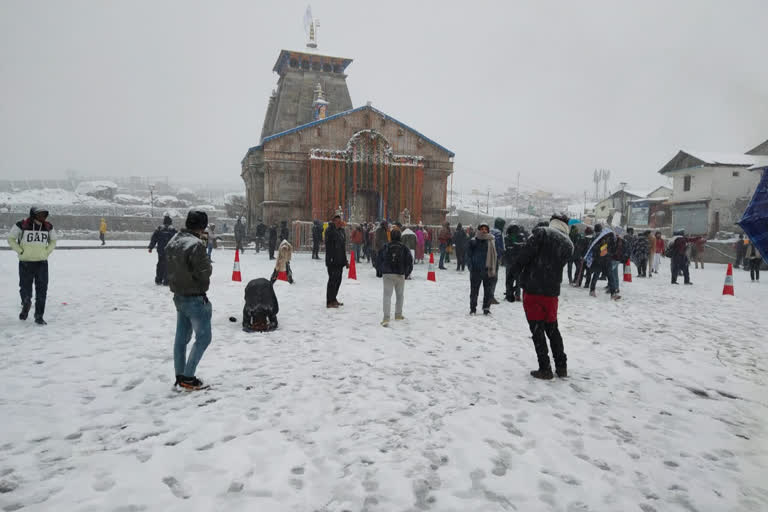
534 263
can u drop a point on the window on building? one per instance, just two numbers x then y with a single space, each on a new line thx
735 174
686 184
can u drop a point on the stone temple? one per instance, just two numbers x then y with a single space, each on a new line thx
318 155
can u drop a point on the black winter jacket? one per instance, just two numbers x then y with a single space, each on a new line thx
460 240
260 298
335 246
189 269
317 232
394 251
477 252
261 229
541 261
161 237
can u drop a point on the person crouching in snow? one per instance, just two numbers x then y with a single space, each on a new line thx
261 307
540 264
283 265
33 239
394 264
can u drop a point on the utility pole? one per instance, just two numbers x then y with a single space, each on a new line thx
488 202
517 197
585 205
151 200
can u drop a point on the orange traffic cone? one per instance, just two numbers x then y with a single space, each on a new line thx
728 287
236 268
352 270
627 272
431 269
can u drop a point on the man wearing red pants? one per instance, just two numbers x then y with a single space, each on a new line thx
540 266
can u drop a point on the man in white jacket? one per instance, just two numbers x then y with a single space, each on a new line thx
33 239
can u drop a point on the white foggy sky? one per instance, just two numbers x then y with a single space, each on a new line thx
548 89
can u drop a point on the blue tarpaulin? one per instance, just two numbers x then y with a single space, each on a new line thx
754 222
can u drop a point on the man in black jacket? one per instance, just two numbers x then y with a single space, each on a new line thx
283 230
160 239
335 259
460 243
272 240
261 307
261 232
394 264
317 236
481 260
189 274
240 235
540 264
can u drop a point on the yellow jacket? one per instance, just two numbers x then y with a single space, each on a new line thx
103 226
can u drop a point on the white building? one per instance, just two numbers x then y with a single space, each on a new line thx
710 191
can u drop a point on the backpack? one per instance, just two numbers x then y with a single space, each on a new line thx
394 255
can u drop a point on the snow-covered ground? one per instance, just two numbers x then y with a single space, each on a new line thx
665 409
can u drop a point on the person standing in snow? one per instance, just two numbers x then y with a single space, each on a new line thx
540 264
755 259
574 235
600 259
444 237
335 260
211 240
419 258
317 236
103 231
160 239
357 242
33 239
481 259
659 249
189 274
380 239
261 232
697 251
580 249
394 264
498 236
678 253
239 235
741 251
640 254
272 240
283 264
408 239
460 243
283 230
512 246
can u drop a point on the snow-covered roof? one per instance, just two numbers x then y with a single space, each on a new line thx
649 200
761 162
722 158
85 187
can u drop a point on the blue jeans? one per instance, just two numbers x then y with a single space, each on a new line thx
193 313
358 248
442 255
210 250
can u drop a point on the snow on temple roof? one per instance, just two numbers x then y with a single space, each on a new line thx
346 113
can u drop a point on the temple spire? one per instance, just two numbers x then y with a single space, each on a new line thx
310 27
320 105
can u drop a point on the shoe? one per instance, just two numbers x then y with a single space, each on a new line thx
191 383
517 298
486 312
25 307
338 303
473 311
615 296
561 372
332 305
385 323
39 321
592 293
399 317
545 374
494 301
688 283
178 378
675 282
